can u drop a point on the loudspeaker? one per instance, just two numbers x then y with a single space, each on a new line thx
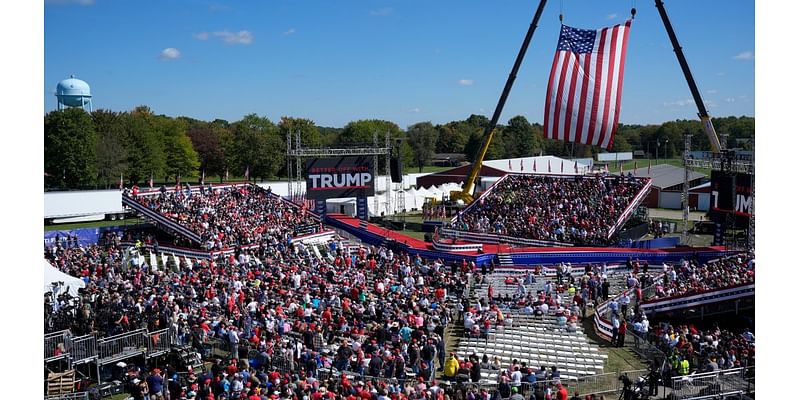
396 169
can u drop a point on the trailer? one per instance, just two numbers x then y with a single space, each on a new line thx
82 206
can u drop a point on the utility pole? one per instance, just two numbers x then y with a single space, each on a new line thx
687 147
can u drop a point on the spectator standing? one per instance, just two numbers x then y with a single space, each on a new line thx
623 328
233 339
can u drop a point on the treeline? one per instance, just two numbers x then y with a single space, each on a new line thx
85 150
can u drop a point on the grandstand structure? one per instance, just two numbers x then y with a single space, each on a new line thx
504 192
535 340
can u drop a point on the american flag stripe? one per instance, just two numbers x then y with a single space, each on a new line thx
609 84
587 62
585 87
618 100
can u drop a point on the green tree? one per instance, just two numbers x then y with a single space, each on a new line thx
145 146
453 137
209 143
180 157
422 139
309 134
329 136
69 148
258 146
111 149
519 139
361 132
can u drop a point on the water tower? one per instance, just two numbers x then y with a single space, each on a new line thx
73 92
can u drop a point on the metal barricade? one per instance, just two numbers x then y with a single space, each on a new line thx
159 342
121 346
69 396
709 384
84 348
53 341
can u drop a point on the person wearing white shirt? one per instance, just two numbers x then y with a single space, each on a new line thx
516 377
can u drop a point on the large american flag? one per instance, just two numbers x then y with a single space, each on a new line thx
585 87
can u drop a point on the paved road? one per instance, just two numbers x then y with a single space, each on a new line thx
661 213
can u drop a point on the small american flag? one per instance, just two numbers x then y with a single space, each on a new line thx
585 87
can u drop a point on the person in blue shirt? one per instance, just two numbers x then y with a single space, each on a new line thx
405 333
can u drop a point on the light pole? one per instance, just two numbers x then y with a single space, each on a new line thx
658 143
665 149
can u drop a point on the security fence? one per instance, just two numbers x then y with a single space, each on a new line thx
118 347
69 396
716 384
596 384
56 344
84 348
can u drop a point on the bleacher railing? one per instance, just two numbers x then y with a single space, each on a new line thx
595 384
84 348
123 345
160 342
69 396
89 347
497 238
714 384
631 207
51 342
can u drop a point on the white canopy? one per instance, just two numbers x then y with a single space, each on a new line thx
68 283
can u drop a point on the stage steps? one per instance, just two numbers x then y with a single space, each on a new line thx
505 260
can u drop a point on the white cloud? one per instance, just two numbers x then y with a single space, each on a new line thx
689 103
465 82
414 110
730 99
382 12
241 37
481 109
679 103
721 73
170 53
745 55
611 16
68 2
291 31
711 91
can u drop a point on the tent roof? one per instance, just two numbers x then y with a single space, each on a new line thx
53 275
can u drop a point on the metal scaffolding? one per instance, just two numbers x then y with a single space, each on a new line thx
727 163
296 152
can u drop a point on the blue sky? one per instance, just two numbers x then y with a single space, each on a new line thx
409 61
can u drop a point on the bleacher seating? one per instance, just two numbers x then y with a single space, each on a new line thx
577 210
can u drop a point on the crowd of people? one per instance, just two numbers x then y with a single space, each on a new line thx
690 349
690 277
230 216
580 210
285 313
366 324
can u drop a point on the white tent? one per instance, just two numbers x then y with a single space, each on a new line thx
422 192
63 281
437 193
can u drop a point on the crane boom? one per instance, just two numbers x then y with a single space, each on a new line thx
708 127
469 184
